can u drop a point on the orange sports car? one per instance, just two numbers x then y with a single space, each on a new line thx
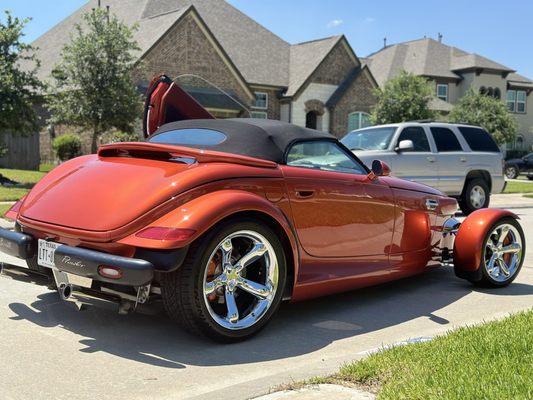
221 220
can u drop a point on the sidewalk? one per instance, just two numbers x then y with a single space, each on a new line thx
319 392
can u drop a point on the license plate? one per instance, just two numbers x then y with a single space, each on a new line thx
45 253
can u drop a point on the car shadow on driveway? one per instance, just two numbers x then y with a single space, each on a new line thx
298 328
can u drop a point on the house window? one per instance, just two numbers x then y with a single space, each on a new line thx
259 114
520 101
261 100
516 101
442 91
358 120
511 100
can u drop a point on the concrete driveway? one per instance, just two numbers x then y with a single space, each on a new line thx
50 350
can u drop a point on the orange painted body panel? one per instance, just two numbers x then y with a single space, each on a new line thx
345 231
469 240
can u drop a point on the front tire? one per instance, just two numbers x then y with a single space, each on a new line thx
230 284
503 253
476 196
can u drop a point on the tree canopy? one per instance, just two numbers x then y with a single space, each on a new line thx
489 113
93 86
403 98
19 89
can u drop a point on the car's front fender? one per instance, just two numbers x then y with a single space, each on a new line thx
468 246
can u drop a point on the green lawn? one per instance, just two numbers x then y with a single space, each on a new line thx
26 179
489 361
519 187
4 208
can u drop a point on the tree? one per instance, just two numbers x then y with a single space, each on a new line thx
403 98
94 89
489 113
19 89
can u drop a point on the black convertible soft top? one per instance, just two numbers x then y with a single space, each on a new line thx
260 138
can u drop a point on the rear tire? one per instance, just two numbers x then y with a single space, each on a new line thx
476 195
195 297
492 275
511 172
530 177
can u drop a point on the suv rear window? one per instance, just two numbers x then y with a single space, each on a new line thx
479 139
445 140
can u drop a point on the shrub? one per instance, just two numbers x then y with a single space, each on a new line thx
119 136
67 146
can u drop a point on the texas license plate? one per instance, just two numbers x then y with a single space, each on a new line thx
45 253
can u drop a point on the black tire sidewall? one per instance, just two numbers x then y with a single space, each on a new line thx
206 323
465 204
486 279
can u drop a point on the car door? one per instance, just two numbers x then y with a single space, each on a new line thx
418 164
337 211
451 158
528 163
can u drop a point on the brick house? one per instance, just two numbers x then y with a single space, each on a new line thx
320 84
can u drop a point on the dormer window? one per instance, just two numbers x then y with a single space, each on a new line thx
442 91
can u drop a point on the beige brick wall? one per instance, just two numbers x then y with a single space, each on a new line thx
186 49
358 97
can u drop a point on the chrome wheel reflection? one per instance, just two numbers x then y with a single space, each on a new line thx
240 280
477 196
503 252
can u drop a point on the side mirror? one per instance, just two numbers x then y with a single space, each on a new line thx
405 145
379 168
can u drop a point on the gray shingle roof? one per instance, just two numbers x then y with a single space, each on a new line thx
260 56
426 57
305 58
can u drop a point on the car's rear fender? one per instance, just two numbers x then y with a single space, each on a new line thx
204 212
468 246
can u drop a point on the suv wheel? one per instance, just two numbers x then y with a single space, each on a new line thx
511 172
476 195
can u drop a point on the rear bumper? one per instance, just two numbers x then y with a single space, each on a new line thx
80 261
498 184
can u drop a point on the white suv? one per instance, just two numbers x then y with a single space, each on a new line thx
462 161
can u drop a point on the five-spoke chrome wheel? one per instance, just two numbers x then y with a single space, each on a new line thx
240 280
503 252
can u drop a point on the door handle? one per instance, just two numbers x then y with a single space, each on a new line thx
304 193
430 159
463 159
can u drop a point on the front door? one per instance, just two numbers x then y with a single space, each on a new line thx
337 210
418 164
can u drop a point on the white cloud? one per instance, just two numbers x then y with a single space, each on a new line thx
369 20
334 23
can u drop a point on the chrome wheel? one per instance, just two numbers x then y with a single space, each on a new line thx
477 196
240 280
503 252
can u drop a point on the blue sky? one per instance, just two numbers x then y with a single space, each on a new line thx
498 30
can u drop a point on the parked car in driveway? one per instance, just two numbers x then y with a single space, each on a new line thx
462 161
220 220
519 166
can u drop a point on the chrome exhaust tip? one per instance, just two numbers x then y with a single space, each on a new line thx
65 291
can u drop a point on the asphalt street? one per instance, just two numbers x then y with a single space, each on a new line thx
49 350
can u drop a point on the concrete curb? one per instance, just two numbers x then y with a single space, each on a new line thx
323 391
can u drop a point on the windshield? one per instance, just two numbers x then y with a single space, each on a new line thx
369 139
